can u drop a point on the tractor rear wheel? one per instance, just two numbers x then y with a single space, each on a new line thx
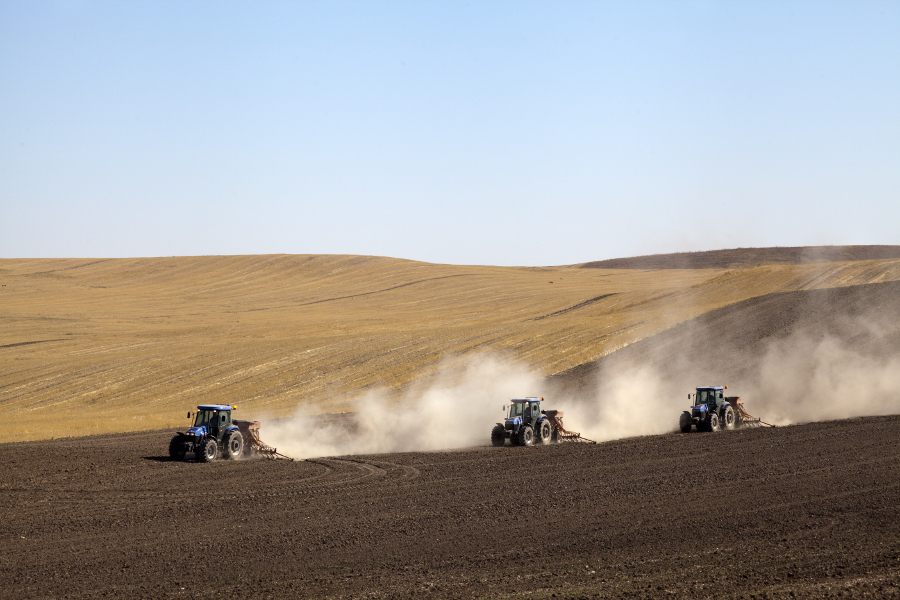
234 445
497 435
208 450
713 423
176 448
728 419
544 432
685 422
526 436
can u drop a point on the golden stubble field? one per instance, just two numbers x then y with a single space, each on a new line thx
107 345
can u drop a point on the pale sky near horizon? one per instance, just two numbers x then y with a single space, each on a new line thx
508 133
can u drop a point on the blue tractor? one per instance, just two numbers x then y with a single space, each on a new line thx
526 424
711 411
213 434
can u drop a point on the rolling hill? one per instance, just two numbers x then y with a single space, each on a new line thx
95 346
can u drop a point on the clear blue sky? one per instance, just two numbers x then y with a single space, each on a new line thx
510 133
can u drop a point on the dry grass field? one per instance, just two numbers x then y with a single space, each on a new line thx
98 346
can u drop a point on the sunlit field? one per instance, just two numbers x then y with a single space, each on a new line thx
98 346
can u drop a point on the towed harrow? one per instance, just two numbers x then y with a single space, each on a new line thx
258 447
563 434
743 417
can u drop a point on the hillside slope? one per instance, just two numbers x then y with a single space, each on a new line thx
803 355
91 346
744 258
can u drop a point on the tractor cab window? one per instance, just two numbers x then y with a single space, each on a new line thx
516 408
203 418
224 419
705 397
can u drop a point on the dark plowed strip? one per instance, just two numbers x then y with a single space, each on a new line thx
740 258
396 287
35 342
70 268
575 307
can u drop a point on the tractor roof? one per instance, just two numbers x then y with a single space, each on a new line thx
526 400
711 387
214 407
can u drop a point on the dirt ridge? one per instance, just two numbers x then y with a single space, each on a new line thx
742 258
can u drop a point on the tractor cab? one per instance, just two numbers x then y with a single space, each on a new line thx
524 411
708 396
211 419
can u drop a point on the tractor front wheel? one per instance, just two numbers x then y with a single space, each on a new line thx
234 445
208 450
526 436
713 423
497 435
176 448
685 422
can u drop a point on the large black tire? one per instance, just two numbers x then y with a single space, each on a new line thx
176 448
526 436
208 450
728 420
234 445
544 432
497 435
685 422
712 423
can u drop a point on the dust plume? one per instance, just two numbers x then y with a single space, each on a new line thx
811 366
811 378
457 410
812 373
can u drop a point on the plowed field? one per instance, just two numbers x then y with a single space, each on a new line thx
808 511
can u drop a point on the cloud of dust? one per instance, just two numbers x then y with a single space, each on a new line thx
807 378
803 376
457 410
627 403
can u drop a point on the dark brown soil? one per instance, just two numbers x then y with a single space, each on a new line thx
808 511
739 258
